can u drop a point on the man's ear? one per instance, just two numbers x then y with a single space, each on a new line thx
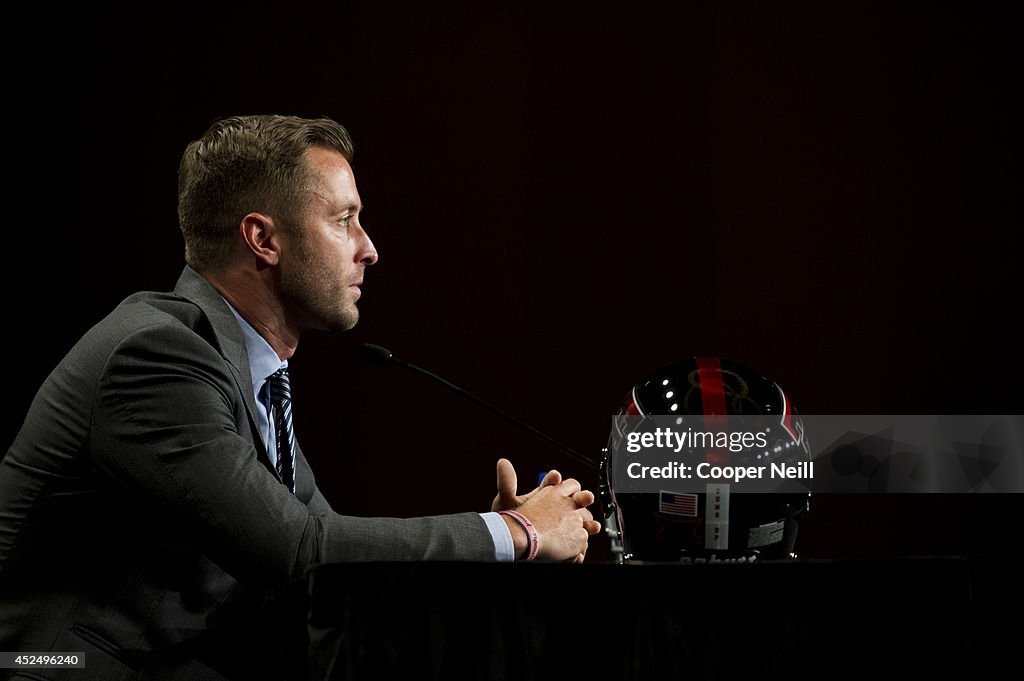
261 236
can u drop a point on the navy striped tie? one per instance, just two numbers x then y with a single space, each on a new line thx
281 406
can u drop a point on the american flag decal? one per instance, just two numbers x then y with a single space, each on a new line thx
678 504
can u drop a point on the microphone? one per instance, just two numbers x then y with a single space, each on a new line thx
381 356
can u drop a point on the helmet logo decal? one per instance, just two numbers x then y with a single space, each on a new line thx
795 430
677 504
721 391
632 408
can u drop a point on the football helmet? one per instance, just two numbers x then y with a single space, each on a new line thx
717 523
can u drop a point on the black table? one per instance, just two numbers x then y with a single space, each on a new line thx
937 617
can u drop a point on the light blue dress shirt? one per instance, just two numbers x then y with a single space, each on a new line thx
263 361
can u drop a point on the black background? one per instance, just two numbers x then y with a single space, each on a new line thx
566 198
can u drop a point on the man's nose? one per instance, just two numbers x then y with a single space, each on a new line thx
367 254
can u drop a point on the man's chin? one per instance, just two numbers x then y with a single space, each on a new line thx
346 321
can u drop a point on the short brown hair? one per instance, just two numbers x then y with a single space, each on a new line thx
243 164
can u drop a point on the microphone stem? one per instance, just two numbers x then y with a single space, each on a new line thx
576 456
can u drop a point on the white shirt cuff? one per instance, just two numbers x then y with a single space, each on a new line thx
504 549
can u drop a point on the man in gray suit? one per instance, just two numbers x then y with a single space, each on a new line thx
143 519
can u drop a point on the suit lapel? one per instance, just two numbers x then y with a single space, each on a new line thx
231 343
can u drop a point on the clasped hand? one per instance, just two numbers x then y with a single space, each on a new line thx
557 508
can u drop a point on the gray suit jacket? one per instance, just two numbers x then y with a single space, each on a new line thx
140 518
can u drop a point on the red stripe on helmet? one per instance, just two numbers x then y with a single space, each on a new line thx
712 397
712 391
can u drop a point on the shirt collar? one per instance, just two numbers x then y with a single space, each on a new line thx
263 361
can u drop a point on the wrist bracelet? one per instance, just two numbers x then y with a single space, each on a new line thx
532 540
